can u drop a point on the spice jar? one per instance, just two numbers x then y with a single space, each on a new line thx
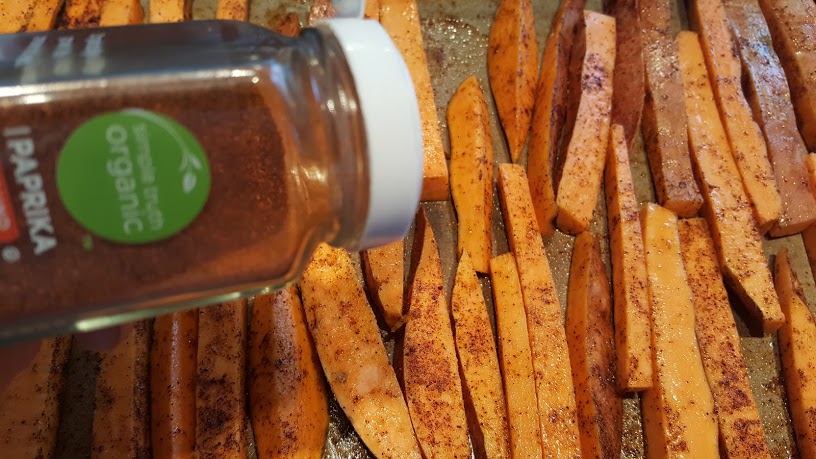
154 167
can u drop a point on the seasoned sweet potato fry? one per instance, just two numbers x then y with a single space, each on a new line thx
236 10
372 9
288 403
121 423
401 19
628 82
796 338
664 123
633 332
170 10
580 179
43 15
173 385
512 65
385 277
549 112
770 99
792 24
744 136
78 14
119 12
727 209
433 387
741 431
515 359
678 411
592 351
289 25
14 15
471 171
30 403
353 356
479 365
220 381
548 342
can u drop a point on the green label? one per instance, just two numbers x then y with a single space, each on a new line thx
133 176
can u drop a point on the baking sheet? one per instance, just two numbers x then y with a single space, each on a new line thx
456 36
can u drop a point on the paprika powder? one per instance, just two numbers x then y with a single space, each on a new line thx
150 168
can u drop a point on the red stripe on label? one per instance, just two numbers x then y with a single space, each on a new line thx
8 225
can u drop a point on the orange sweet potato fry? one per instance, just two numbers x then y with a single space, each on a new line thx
236 10
30 403
549 112
633 333
288 403
433 387
557 410
401 19
664 121
512 65
579 180
220 381
629 81
121 423
173 385
726 208
770 98
741 431
744 136
592 351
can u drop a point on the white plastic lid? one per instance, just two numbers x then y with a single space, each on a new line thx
390 113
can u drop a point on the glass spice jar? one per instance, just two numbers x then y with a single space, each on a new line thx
155 167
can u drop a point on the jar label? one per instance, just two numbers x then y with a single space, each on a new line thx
133 176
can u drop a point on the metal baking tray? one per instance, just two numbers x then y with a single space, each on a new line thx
455 35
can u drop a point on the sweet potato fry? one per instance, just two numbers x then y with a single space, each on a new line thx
401 19
549 112
471 171
633 332
741 431
512 65
579 181
592 351
220 383
120 12
628 81
289 25
30 403
353 356
678 411
78 14
664 123
744 136
173 385
515 359
288 403
548 342
372 10
726 209
121 423
14 15
236 10
431 379
769 97
43 15
796 338
384 272
479 365
170 10
792 24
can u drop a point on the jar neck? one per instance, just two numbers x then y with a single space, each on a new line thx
332 165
